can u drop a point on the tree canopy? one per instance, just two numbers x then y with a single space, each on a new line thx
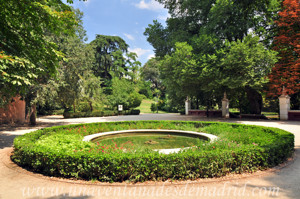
223 19
25 52
286 72
150 72
213 46
109 56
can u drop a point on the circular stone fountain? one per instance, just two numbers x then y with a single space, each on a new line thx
193 134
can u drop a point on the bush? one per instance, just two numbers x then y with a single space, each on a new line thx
153 107
124 93
161 104
90 114
98 113
135 112
135 100
60 151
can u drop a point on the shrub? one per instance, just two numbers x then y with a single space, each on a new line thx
153 107
60 151
135 112
124 93
90 114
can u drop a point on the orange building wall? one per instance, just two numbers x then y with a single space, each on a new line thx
14 112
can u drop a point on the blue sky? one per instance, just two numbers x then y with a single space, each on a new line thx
125 18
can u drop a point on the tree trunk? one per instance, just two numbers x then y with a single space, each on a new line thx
74 107
255 100
91 106
207 108
33 115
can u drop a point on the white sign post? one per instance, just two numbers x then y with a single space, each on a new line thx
120 107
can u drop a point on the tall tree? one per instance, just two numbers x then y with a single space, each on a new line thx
226 19
179 73
241 65
207 26
109 56
76 78
158 37
150 72
133 66
125 93
25 52
244 66
286 72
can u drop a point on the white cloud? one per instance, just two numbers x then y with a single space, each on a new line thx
164 17
139 51
129 36
150 5
150 56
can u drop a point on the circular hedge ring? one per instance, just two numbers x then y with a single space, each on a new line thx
61 151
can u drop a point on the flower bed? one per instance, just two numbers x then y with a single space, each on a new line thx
60 151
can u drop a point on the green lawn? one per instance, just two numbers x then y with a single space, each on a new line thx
145 106
271 115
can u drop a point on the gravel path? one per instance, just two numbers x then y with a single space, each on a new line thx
15 182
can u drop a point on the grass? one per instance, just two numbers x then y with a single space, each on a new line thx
149 140
58 112
145 106
271 115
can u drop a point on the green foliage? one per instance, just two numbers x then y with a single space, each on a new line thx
89 114
111 61
132 67
226 19
16 76
181 73
60 151
145 89
211 38
153 107
245 63
92 91
124 93
25 52
241 65
150 72
109 58
179 70
76 79
157 35
135 112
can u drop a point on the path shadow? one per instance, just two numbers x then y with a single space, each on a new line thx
6 140
286 179
39 125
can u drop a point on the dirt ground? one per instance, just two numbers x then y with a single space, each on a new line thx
279 182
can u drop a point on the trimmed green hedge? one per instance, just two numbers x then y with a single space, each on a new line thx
99 113
60 151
